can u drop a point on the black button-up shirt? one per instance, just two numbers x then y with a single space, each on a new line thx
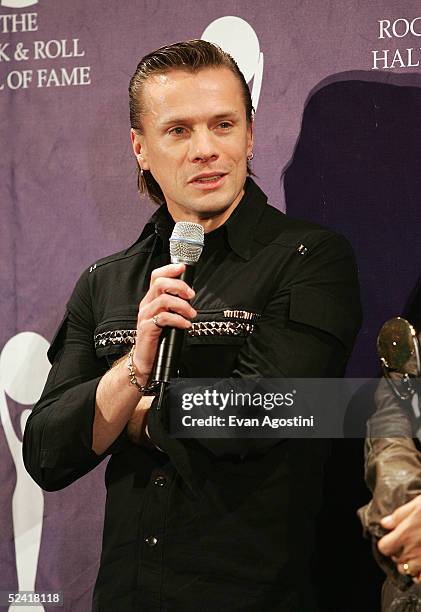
207 524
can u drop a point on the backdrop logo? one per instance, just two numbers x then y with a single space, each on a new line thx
24 369
236 36
18 3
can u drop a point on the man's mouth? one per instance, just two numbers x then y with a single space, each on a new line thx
207 179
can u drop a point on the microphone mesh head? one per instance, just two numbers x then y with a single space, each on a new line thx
186 243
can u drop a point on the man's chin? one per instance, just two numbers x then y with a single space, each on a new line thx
212 210
213 204
210 205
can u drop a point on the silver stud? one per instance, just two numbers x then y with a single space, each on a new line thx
302 250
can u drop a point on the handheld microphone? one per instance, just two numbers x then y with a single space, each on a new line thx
186 245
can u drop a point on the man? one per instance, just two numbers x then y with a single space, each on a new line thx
211 524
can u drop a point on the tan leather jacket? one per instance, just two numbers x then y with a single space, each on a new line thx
393 474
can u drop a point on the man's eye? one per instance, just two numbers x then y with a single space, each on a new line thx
177 131
225 125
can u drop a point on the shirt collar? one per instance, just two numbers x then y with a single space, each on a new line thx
241 224
239 227
160 223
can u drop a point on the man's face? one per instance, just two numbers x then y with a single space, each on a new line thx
195 141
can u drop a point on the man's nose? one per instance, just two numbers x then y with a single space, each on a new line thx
203 146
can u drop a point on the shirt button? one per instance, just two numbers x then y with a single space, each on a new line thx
151 541
160 481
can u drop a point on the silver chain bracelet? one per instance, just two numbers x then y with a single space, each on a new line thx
144 389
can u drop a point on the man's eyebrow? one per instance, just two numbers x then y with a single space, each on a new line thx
183 120
229 113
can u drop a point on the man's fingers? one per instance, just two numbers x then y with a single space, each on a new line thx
151 329
408 552
165 279
164 305
402 541
165 310
171 319
391 521
168 271
166 302
149 332
172 286
411 567
391 543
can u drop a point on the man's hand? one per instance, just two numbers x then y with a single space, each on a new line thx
403 543
166 300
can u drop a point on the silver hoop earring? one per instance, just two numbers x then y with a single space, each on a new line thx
250 157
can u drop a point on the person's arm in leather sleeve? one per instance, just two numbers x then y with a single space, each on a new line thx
392 473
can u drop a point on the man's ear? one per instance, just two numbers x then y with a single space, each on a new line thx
139 149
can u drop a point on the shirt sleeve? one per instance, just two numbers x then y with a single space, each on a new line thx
307 329
57 445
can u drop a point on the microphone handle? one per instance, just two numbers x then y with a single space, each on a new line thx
171 342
